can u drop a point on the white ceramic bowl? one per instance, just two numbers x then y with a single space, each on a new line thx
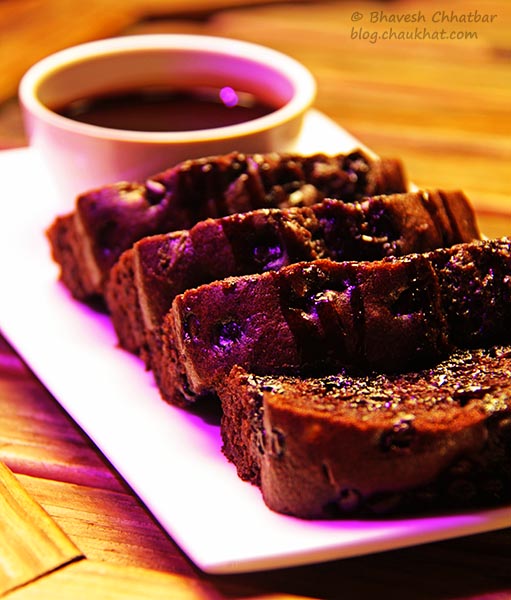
81 156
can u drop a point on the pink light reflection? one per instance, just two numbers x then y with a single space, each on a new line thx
228 96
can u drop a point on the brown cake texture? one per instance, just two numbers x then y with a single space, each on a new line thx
477 300
309 317
338 446
390 315
147 277
88 242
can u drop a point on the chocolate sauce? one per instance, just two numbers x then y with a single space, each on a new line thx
166 109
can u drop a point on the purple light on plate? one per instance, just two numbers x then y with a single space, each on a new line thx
228 96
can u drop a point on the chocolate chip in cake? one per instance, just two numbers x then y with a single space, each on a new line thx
409 301
105 233
190 326
277 443
400 437
227 334
269 256
349 500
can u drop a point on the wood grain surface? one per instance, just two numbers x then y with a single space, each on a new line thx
31 544
69 525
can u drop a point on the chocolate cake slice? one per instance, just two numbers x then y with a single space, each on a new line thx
147 277
338 446
477 299
390 315
89 241
318 316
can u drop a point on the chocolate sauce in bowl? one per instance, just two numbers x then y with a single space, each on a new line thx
160 110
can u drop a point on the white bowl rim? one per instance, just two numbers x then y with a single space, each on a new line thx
299 76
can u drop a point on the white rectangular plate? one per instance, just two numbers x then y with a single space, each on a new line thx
172 459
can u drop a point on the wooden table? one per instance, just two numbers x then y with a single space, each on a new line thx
68 523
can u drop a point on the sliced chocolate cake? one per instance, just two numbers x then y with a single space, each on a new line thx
319 316
109 220
338 446
476 279
143 283
390 315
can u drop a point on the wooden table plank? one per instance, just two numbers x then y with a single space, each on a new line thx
31 543
92 579
32 29
110 526
60 468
